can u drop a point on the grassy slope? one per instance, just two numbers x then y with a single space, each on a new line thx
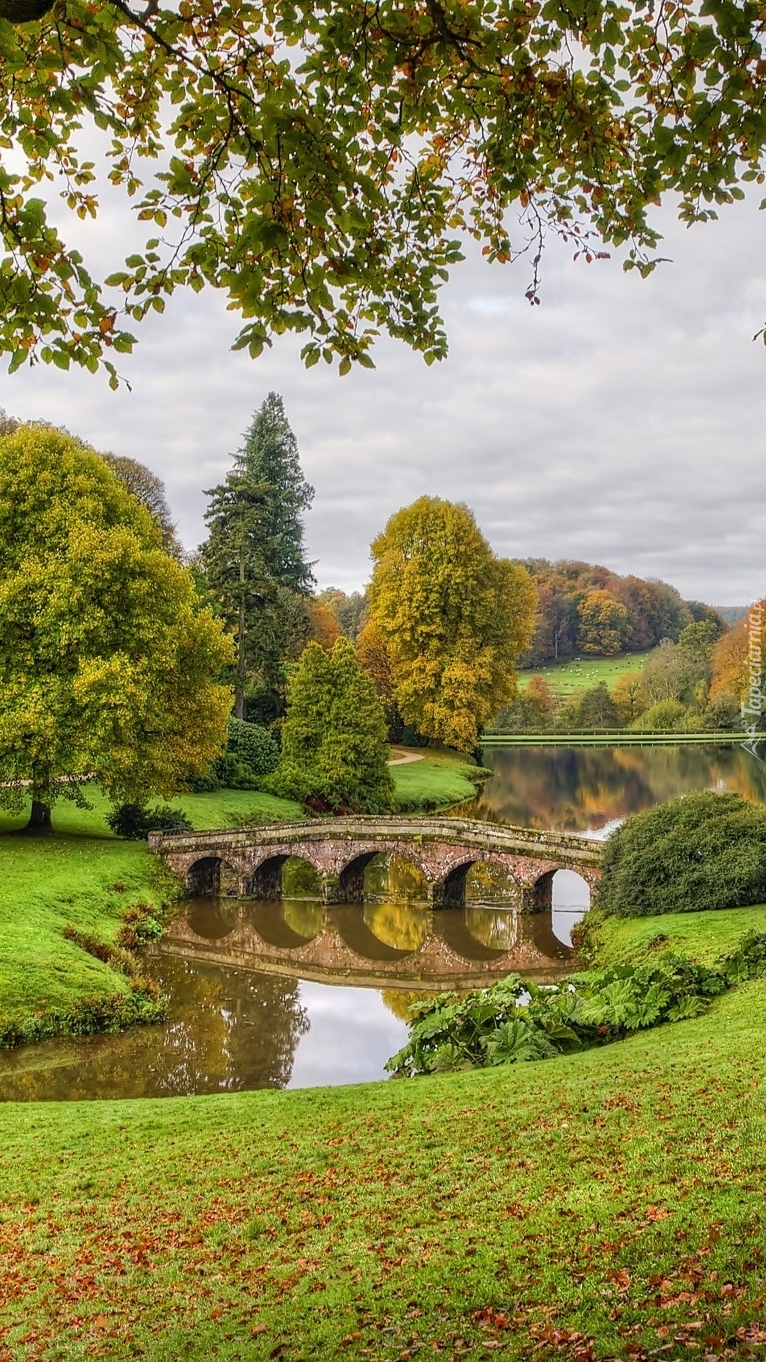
442 778
702 936
565 677
601 1206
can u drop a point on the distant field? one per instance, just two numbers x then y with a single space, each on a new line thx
578 674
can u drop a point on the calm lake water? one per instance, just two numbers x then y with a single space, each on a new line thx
585 789
294 994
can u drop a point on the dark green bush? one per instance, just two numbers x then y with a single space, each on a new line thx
702 851
251 752
516 1021
134 822
254 746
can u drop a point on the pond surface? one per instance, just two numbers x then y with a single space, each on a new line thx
291 994
585 789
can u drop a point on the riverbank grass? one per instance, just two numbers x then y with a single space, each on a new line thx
604 1205
84 877
703 937
440 779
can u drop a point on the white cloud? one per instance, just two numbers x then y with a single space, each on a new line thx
621 421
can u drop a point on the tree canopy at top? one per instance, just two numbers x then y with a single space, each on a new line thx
318 161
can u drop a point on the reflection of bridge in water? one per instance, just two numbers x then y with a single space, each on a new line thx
383 945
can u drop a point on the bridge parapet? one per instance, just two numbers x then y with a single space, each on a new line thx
340 849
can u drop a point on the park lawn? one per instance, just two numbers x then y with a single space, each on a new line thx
565 677
442 778
701 936
47 883
601 1206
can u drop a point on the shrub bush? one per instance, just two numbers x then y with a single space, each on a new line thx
516 1021
702 851
254 746
662 717
133 822
251 752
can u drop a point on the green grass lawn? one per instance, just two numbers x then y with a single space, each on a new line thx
702 936
443 777
565 677
602 1206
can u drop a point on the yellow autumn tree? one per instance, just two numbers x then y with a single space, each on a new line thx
604 624
108 665
454 619
372 651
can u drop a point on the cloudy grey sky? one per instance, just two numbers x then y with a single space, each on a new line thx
622 421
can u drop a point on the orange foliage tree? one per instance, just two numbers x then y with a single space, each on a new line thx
739 658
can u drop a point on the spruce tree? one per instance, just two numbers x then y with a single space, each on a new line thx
270 457
233 558
254 557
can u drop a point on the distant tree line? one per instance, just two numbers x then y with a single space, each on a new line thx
701 683
584 609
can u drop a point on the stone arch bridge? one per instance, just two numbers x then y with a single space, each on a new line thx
249 861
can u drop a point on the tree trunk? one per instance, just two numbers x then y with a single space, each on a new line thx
39 819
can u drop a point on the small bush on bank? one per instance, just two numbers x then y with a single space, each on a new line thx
662 717
254 746
703 851
133 822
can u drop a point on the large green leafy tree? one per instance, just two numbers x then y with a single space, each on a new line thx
334 738
107 663
454 619
254 560
319 162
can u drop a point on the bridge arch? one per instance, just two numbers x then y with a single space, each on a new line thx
451 892
266 880
351 879
211 875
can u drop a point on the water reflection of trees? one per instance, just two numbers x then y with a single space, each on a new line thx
398 924
497 928
229 1031
304 916
582 788
394 877
400 1000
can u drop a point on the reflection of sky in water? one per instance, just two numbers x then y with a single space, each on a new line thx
570 902
351 1035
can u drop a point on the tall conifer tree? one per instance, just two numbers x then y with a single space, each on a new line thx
270 456
254 558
